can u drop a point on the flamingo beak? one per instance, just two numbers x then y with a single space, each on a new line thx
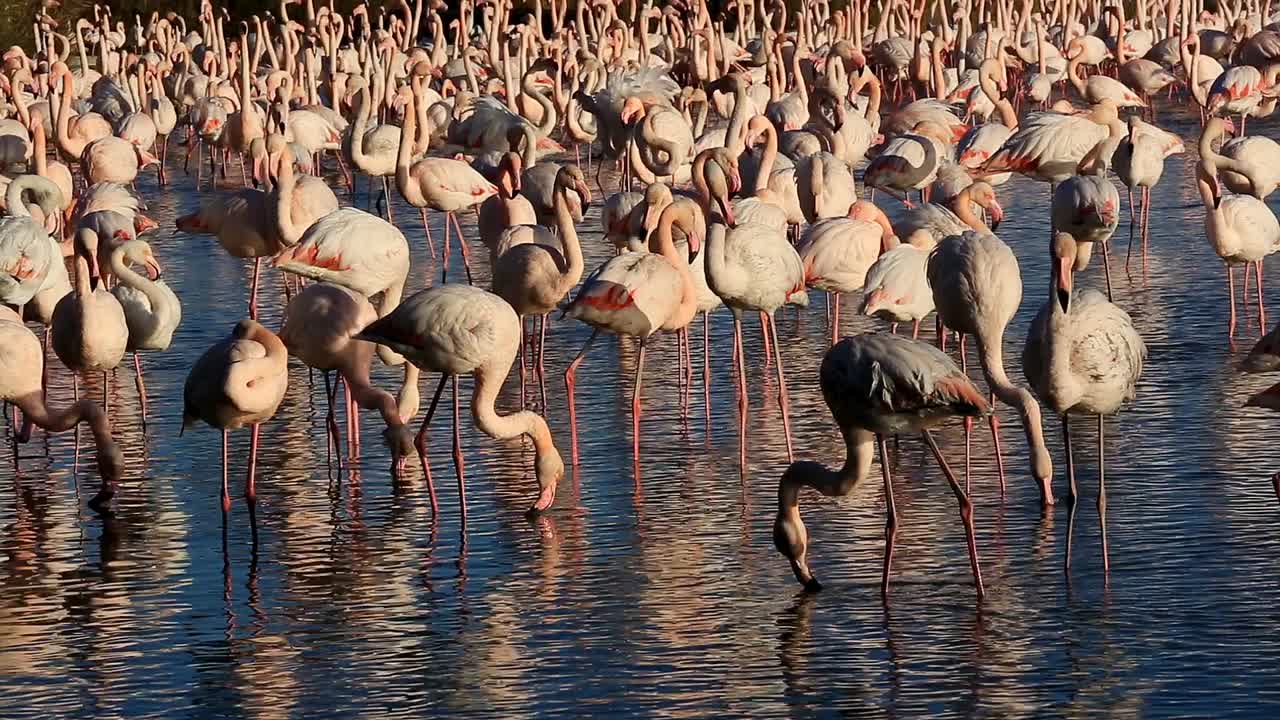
726 209
997 215
584 192
154 271
695 246
1062 282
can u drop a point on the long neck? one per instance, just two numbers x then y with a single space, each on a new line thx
390 300
767 159
663 244
358 128
408 400
131 278
962 206
73 147
548 464
36 411
991 356
569 240
1077 78
737 119
290 233
409 189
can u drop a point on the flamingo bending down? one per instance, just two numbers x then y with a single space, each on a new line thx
455 329
877 385
239 381
21 370
319 328
1082 355
977 288
637 294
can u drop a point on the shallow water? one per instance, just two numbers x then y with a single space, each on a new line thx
658 591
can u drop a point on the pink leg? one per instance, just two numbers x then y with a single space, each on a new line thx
569 375
706 369
742 391
226 497
764 332
542 371
835 321
253 291
421 443
1262 309
457 454
250 485
915 330
426 227
783 402
462 246
141 386
1231 292
444 256
523 371
966 512
635 404
995 439
1146 227
890 517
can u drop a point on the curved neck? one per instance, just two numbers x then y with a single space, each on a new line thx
131 278
548 465
991 356
572 272
767 159
733 139
409 189
962 206
285 184
661 243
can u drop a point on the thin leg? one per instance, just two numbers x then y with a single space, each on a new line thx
253 290
1262 310
783 402
334 442
1132 221
742 391
462 246
995 439
226 497
421 443
764 332
1071 491
1102 496
835 322
444 256
426 227
250 488
890 517
457 454
541 369
1231 293
141 387
706 369
569 375
523 370
1106 267
635 404
1146 227
966 511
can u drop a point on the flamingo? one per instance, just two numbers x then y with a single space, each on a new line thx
1241 228
442 184
1082 355
1087 205
637 294
533 272
941 221
1258 161
89 331
21 370
897 286
1049 146
877 385
909 162
240 380
151 309
320 324
977 288
837 252
243 226
456 329
1140 163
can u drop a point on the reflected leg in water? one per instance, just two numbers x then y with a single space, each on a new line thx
966 511
1102 498
420 442
1275 485
458 463
1071 491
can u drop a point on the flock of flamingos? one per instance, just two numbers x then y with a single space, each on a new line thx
473 108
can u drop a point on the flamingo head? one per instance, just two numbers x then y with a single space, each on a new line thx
143 223
632 110
984 195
